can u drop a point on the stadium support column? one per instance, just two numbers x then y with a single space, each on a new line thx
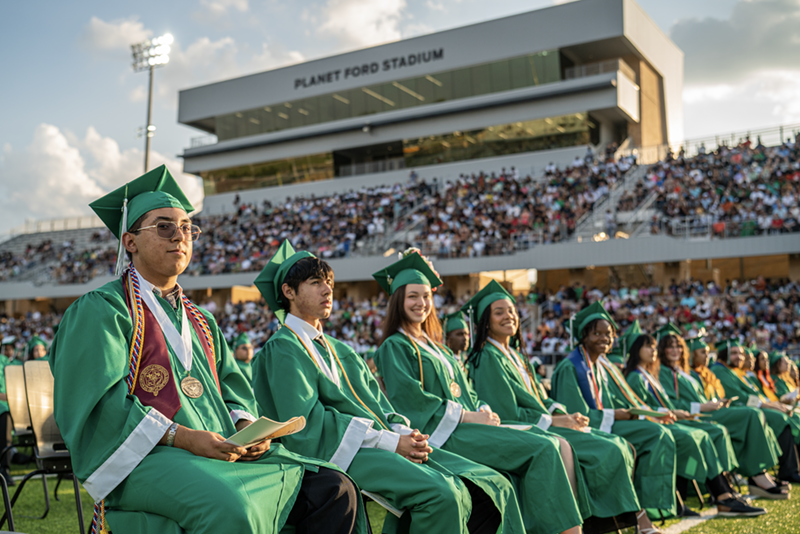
794 267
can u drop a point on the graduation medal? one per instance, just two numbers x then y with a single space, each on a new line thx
455 389
192 387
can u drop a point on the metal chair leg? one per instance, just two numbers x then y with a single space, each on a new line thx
699 494
7 504
46 496
16 496
78 503
58 483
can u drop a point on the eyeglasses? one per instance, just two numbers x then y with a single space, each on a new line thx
167 230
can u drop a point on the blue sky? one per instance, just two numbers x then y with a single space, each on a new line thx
71 104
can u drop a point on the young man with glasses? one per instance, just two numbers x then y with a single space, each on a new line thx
147 391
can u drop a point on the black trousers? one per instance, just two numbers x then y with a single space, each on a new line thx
327 503
788 463
485 517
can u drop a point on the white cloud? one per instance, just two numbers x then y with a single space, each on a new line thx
359 23
57 175
767 98
221 7
114 36
759 35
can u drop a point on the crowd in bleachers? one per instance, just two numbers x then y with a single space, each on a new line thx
483 215
744 190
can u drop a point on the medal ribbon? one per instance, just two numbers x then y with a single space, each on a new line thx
181 343
592 377
333 352
527 379
433 350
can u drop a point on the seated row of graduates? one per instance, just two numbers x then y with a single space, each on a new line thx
581 459
496 457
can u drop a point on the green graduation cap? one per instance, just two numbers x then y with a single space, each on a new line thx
587 315
484 298
667 329
411 269
270 279
455 321
620 350
696 343
728 343
122 207
775 356
238 341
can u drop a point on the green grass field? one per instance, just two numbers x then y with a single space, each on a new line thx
783 516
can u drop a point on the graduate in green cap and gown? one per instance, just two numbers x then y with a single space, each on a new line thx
147 390
504 379
425 383
456 336
35 349
753 441
730 357
584 383
350 422
785 385
704 444
243 352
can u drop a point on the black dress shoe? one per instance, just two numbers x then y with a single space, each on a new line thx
738 508
685 511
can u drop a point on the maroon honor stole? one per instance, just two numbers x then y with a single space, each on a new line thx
150 376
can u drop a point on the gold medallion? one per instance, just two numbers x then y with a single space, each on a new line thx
455 389
153 378
192 387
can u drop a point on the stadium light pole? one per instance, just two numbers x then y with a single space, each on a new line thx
147 56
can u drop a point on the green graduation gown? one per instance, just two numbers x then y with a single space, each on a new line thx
654 478
530 458
735 386
289 382
696 448
753 441
112 436
605 460
782 387
247 370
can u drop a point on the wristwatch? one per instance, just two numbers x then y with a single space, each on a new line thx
173 429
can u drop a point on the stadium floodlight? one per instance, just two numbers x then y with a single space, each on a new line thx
147 56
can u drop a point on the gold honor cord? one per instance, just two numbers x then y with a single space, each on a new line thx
654 387
534 387
333 351
636 401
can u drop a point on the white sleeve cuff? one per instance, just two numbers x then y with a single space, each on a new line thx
557 406
485 408
354 436
380 439
447 425
663 410
130 453
545 421
608 421
237 415
400 429
694 407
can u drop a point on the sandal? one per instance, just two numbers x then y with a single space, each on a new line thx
650 530
774 493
